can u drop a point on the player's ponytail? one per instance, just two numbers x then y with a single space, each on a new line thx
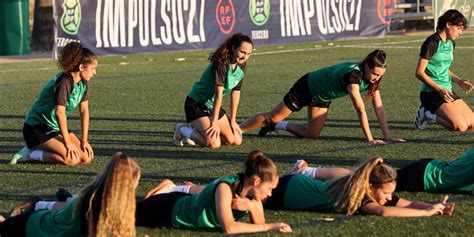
261 166
377 58
452 16
73 55
349 191
224 51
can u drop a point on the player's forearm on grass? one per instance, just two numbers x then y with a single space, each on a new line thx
390 211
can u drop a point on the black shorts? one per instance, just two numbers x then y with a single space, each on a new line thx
432 100
411 177
277 200
35 135
195 110
299 96
157 210
15 226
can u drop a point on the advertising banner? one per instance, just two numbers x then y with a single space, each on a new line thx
136 26
466 7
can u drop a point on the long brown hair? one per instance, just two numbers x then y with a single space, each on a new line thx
73 55
349 191
108 203
261 166
225 50
452 16
376 58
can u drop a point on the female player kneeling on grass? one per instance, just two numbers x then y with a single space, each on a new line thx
104 208
438 101
219 205
368 190
45 130
425 175
208 125
316 90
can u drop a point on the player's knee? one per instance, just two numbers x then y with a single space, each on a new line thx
460 126
86 160
312 136
213 143
71 162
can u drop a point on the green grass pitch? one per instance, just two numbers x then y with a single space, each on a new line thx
135 100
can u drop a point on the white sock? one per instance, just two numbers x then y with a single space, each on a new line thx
430 115
44 205
186 131
180 188
36 155
281 125
310 172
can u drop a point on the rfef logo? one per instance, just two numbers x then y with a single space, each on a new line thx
71 18
225 16
259 11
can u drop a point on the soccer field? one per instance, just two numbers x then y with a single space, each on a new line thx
135 100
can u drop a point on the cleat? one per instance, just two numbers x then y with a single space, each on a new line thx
62 195
266 129
163 187
189 142
26 207
23 152
421 121
177 138
299 166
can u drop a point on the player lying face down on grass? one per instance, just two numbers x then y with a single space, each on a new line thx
45 129
368 190
439 103
424 175
318 88
208 124
106 207
218 205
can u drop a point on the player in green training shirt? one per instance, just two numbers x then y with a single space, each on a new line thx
219 205
106 207
438 101
207 122
317 89
425 175
45 130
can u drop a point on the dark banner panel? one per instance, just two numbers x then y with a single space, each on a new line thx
135 26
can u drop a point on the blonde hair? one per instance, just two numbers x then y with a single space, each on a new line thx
108 203
349 191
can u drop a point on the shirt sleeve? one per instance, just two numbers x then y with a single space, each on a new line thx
428 48
238 86
220 74
62 89
353 77
86 93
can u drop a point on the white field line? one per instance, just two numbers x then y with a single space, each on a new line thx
283 51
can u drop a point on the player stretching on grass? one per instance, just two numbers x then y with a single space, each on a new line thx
438 101
220 204
317 89
208 125
425 175
45 130
106 207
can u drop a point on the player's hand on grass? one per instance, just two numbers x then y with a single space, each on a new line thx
446 95
71 151
448 206
435 209
86 148
395 140
465 85
280 227
377 142
213 132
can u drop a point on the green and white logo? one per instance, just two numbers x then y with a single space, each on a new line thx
71 18
259 11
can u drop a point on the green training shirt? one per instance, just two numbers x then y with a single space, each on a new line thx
62 222
440 56
331 82
61 90
204 90
305 193
199 210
